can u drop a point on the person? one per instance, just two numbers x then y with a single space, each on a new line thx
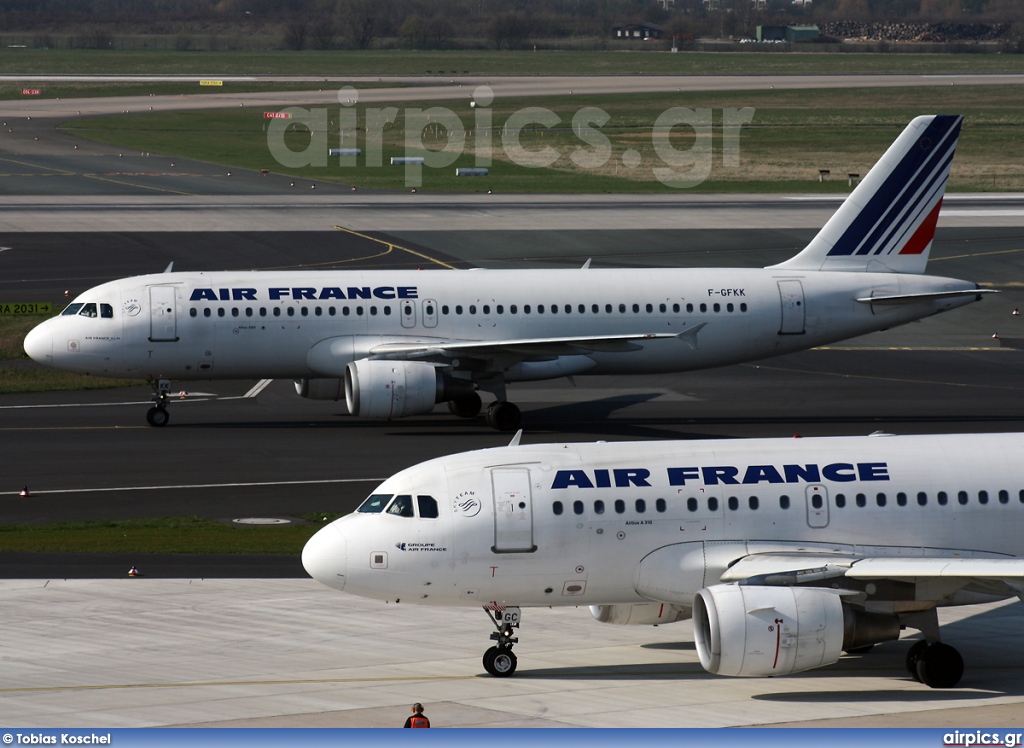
418 718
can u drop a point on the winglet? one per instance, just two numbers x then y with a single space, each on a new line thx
516 439
170 267
586 265
690 336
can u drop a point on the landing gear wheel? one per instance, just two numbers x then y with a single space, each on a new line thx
157 416
500 663
503 416
940 666
467 406
913 655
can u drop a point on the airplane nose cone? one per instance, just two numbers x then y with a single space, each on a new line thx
39 344
325 557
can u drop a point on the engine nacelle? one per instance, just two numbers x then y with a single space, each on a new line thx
640 614
320 389
392 389
752 630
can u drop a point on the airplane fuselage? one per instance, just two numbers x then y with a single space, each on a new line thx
190 326
626 523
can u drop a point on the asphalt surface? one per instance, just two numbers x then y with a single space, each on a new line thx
90 456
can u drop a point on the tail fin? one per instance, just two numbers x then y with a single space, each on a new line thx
888 222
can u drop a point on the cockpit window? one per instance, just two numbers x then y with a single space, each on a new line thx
375 503
402 506
106 311
72 310
88 310
427 506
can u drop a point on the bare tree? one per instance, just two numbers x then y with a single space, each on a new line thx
295 34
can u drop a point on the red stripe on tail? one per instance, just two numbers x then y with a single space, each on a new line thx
924 234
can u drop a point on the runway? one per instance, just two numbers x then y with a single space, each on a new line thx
210 640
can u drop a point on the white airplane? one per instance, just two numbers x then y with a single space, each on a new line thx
395 343
785 552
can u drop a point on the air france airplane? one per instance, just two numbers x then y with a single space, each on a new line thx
395 343
784 552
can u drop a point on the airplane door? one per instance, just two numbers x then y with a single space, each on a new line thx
791 292
408 310
817 506
163 320
513 511
429 313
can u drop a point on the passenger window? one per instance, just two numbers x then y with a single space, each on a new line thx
816 501
304 311
1004 497
713 504
221 312
961 496
840 500
733 503
72 310
427 506
880 498
620 506
193 312
577 507
754 502
599 507
982 497
234 311
901 499
207 312
743 306
922 498
557 508
106 311
942 498
88 310
401 506
691 504
641 506
784 501
277 311
862 500
375 504
660 505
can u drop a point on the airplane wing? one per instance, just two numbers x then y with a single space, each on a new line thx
939 575
528 347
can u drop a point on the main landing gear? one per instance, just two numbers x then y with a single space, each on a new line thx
158 415
935 664
929 661
499 660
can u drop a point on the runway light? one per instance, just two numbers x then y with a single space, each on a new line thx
1016 312
133 572
24 493
995 336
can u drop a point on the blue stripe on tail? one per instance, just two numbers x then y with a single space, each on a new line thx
908 190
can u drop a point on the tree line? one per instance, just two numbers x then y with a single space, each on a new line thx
452 24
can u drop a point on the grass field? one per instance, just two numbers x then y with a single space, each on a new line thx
163 535
790 136
401 62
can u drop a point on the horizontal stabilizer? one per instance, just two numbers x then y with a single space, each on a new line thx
907 298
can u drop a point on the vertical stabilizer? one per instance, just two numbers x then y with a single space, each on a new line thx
888 222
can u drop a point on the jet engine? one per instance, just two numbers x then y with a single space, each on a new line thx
394 389
757 631
320 389
640 614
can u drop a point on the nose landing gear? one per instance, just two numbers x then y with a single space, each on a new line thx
499 660
158 415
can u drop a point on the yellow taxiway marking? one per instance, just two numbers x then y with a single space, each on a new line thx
392 245
137 186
